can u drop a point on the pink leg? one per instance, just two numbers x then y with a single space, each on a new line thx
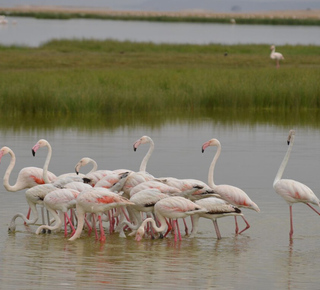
291 222
312 208
248 226
237 227
65 225
217 229
185 226
94 226
125 214
28 214
88 225
178 229
174 225
110 221
70 223
102 235
169 229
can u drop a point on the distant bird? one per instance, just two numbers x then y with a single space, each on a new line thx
290 190
276 55
229 193
173 208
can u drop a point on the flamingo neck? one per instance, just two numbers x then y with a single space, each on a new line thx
80 217
46 164
212 166
284 162
161 219
143 165
6 177
94 166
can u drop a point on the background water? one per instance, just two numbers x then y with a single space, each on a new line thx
261 258
34 32
177 5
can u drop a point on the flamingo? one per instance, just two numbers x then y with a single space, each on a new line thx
293 191
173 208
141 176
276 55
59 200
96 200
27 177
216 208
231 194
44 143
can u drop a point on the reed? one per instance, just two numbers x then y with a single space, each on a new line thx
87 78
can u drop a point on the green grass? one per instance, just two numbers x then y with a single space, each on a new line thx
86 79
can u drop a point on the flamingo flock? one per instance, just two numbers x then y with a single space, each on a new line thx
135 203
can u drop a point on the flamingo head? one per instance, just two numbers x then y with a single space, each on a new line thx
139 234
3 151
40 143
142 140
212 142
272 47
291 136
83 161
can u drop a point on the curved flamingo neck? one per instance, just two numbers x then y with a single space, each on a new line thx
94 166
46 164
8 172
143 165
161 219
212 166
284 162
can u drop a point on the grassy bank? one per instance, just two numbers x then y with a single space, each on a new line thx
90 78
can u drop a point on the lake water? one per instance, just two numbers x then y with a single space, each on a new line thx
34 32
261 258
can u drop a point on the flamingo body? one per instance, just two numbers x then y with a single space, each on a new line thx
276 55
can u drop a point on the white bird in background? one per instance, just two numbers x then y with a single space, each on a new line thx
293 191
276 55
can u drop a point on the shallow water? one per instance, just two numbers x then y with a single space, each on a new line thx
261 258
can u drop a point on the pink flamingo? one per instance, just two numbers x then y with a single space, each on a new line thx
28 176
231 194
173 208
96 200
215 208
276 55
141 176
293 191
59 200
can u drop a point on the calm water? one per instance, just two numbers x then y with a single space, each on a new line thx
34 32
261 258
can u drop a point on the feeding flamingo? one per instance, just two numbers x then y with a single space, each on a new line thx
27 177
96 200
173 208
231 194
290 190
215 208
276 55
59 200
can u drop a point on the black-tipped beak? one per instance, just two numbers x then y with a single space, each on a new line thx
77 172
202 150
134 148
33 153
288 142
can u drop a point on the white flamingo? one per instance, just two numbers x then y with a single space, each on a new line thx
276 55
293 191
173 208
215 208
27 177
231 194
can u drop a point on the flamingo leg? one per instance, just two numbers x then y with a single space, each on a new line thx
65 225
169 229
291 222
174 224
102 235
70 222
110 216
28 215
237 227
216 227
312 208
178 230
94 226
247 227
185 226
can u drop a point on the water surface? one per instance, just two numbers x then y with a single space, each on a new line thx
261 258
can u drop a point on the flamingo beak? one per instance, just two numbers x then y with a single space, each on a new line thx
34 149
204 146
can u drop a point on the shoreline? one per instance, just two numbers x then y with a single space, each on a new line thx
286 14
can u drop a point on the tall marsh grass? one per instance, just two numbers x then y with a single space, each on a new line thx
78 78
